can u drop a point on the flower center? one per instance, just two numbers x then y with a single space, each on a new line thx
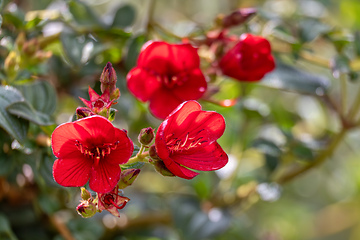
111 199
98 152
173 80
184 144
99 103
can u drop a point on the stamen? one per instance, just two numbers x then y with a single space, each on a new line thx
98 152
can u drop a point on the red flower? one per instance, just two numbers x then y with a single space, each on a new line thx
112 202
249 60
166 75
187 139
98 103
90 148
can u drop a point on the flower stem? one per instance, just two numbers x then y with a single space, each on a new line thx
140 156
354 110
344 96
320 159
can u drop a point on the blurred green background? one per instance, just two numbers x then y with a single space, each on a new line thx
282 122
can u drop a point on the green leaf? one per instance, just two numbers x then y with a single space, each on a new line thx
203 184
5 229
134 47
73 46
271 152
303 152
193 223
124 16
83 14
41 95
14 126
137 165
25 110
16 18
49 204
340 64
311 28
292 79
80 49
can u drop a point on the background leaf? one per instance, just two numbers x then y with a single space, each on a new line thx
41 95
293 79
15 126
83 14
25 110
124 17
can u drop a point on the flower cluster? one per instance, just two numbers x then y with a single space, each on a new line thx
168 76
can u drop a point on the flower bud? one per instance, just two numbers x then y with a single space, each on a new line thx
127 177
152 153
146 136
11 64
238 17
31 46
82 112
86 209
41 56
20 40
108 81
85 194
162 169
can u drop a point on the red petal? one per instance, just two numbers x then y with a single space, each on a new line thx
104 176
209 158
183 57
72 172
163 58
179 114
178 170
142 83
123 151
192 89
163 103
86 102
64 137
206 124
160 142
99 130
93 95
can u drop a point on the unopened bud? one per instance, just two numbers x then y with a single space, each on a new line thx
108 80
127 177
146 136
43 140
238 17
20 40
115 94
31 46
152 153
85 194
86 209
162 169
82 112
11 64
41 56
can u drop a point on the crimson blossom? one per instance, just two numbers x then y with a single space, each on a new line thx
249 60
166 75
112 202
90 149
187 139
